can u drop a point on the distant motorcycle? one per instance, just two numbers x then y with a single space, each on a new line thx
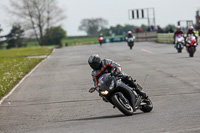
130 41
101 40
112 89
191 44
179 43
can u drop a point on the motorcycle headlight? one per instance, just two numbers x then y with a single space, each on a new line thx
112 85
104 92
179 40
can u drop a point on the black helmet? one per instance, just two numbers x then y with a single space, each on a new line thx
95 61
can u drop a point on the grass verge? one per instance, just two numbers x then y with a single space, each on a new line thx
80 41
72 41
14 65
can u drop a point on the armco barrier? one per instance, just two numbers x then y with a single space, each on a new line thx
168 37
139 37
116 39
165 37
146 36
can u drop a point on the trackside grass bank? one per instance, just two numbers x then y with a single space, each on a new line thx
74 40
71 41
80 41
14 65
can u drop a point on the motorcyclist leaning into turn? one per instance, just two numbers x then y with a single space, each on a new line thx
177 32
101 67
191 32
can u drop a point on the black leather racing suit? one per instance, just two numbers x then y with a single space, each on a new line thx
176 34
106 67
129 35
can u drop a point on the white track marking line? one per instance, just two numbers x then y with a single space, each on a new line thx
18 84
147 51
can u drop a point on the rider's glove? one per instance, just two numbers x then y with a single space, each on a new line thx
114 72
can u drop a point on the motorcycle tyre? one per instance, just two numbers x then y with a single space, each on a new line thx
179 50
191 51
148 107
118 104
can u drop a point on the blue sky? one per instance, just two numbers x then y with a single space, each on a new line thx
116 12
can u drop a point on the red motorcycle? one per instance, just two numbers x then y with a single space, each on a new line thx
191 44
101 40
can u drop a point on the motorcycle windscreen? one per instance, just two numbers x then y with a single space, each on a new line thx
104 81
130 39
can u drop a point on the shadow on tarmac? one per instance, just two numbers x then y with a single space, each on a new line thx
173 53
102 117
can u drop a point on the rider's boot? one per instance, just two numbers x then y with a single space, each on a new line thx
140 92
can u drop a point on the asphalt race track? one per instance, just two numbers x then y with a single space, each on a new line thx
55 97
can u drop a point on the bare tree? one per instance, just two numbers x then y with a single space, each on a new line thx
93 26
37 15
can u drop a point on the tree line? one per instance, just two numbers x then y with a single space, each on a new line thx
38 20
96 26
35 19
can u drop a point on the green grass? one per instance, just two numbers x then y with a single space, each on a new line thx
69 41
84 41
14 65
73 41
31 43
80 41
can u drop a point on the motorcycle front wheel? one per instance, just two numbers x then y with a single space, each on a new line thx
130 45
120 103
179 50
191 51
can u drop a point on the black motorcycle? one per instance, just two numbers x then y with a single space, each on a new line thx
112 89
130 41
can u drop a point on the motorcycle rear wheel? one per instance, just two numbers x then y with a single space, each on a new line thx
125 108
